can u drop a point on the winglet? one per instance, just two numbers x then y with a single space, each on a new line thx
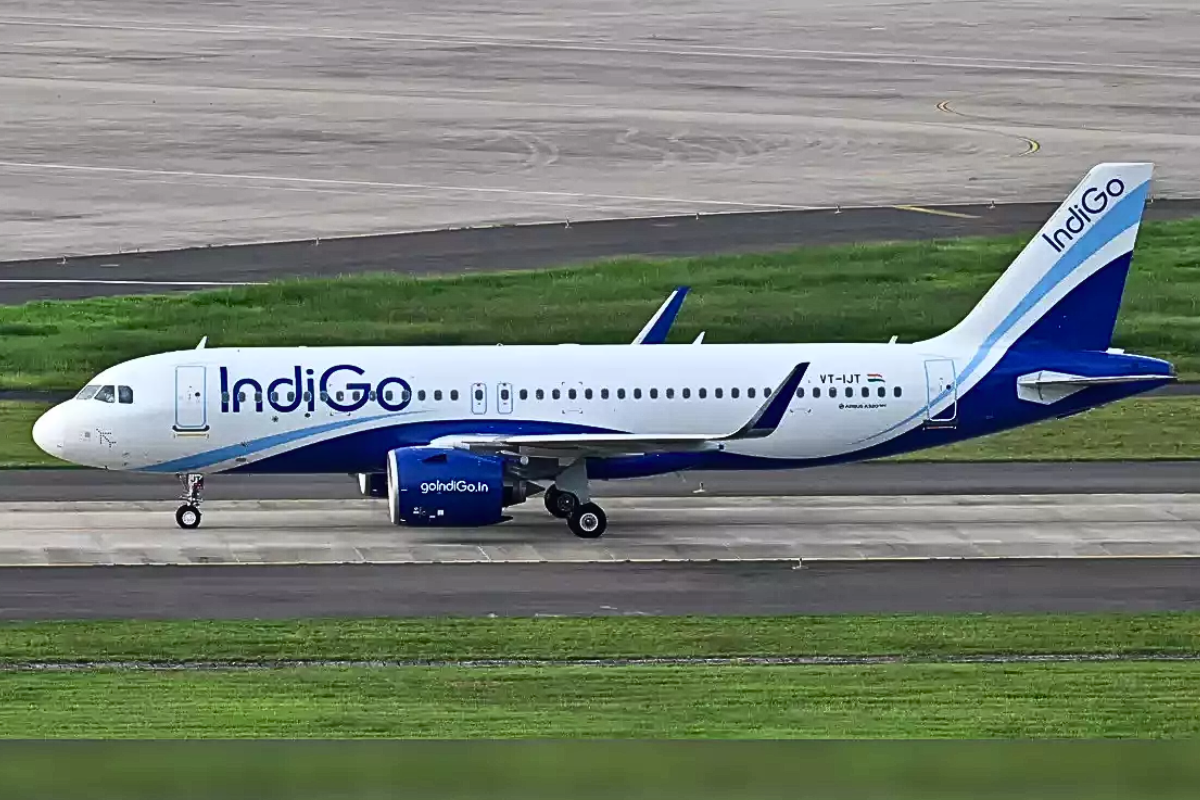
767 418
656 330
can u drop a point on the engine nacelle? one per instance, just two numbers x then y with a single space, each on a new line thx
444 487
372 484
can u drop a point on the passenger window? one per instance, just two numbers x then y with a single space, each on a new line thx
387 396
719 392
241 397
454 394
817 391
604 394
670 394
106 394
750 392
800 392
687 393
733 393
524 394
324 397
571 394
124 395
637 394
703 393
437 395
556 394
421 395
654 394
541 394
767 392
291 397
479 394
833 391
882 392
307 397
866 392
896 391
340 395
620 394
587 394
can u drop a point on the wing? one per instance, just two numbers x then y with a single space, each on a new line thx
574 445
656 330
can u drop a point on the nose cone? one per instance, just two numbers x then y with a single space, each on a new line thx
48 432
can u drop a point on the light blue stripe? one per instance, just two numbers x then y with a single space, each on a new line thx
199 461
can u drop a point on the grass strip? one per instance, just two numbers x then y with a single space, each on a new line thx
899 700
1141 429
913 636
828 294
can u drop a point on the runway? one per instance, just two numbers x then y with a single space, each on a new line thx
139 125
744 589
918 478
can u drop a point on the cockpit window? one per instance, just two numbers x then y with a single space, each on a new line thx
87 392
106 395
124 394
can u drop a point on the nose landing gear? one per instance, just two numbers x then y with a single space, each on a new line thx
187 516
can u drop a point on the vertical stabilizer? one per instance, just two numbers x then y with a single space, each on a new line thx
1064 290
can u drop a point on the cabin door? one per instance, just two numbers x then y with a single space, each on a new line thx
941 391
191 414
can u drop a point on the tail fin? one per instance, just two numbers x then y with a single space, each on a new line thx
1064 289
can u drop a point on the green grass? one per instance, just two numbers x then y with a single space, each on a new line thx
899 700
917 697
1138 429
16 441
856 293
913 636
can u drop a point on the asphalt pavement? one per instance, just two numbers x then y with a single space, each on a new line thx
244 592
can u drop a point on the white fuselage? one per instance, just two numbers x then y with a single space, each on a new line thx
211 410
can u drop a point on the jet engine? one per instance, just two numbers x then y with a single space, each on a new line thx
439 486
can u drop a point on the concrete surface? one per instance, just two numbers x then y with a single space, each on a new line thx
640 529
825 587
139 124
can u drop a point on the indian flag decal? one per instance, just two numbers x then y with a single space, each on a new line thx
874 377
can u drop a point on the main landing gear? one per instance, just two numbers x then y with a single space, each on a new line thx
586 520
188 515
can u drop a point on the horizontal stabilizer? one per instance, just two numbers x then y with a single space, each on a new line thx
1047 386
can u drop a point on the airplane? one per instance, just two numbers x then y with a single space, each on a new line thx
454 435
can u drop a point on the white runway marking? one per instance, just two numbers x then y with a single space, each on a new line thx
388 185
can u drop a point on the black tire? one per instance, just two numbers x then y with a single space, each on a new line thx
187 517
588 521
560 504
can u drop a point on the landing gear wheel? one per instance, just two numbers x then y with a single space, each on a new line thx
187 517
587 521
559 503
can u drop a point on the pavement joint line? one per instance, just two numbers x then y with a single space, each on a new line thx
781 560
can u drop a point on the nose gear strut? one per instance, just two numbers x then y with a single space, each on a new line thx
188 515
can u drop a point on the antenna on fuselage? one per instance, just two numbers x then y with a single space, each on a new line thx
203 341
893 340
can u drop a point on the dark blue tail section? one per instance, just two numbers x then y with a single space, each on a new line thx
1086 317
